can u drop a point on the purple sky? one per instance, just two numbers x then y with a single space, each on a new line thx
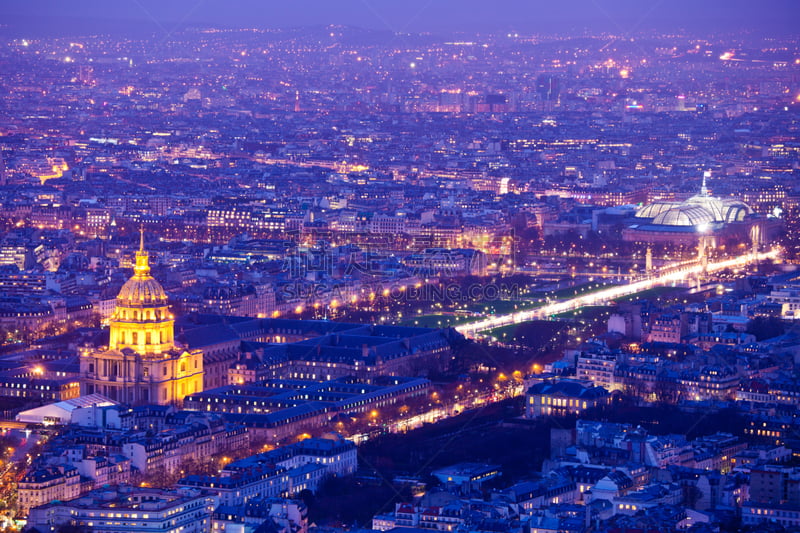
618 16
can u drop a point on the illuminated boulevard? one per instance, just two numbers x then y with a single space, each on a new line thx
670 275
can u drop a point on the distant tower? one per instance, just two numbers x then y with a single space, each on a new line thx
648 262
547 90
297 101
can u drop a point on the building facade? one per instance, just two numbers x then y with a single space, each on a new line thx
142 363
130 509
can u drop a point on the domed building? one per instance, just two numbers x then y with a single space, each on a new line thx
702 216
142 363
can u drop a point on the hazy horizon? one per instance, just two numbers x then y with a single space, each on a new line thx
626 17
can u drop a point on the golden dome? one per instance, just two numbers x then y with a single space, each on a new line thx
141 292
141 320
142 289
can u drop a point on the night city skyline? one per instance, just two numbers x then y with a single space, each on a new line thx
362 266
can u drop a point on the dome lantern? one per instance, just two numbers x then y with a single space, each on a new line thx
142 266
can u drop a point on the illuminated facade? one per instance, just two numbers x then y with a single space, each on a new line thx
142 363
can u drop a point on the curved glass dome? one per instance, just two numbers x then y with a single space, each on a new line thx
684 215
701 209
713 205
736 211
655 209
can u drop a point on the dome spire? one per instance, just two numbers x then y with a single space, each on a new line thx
142 267
703 188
